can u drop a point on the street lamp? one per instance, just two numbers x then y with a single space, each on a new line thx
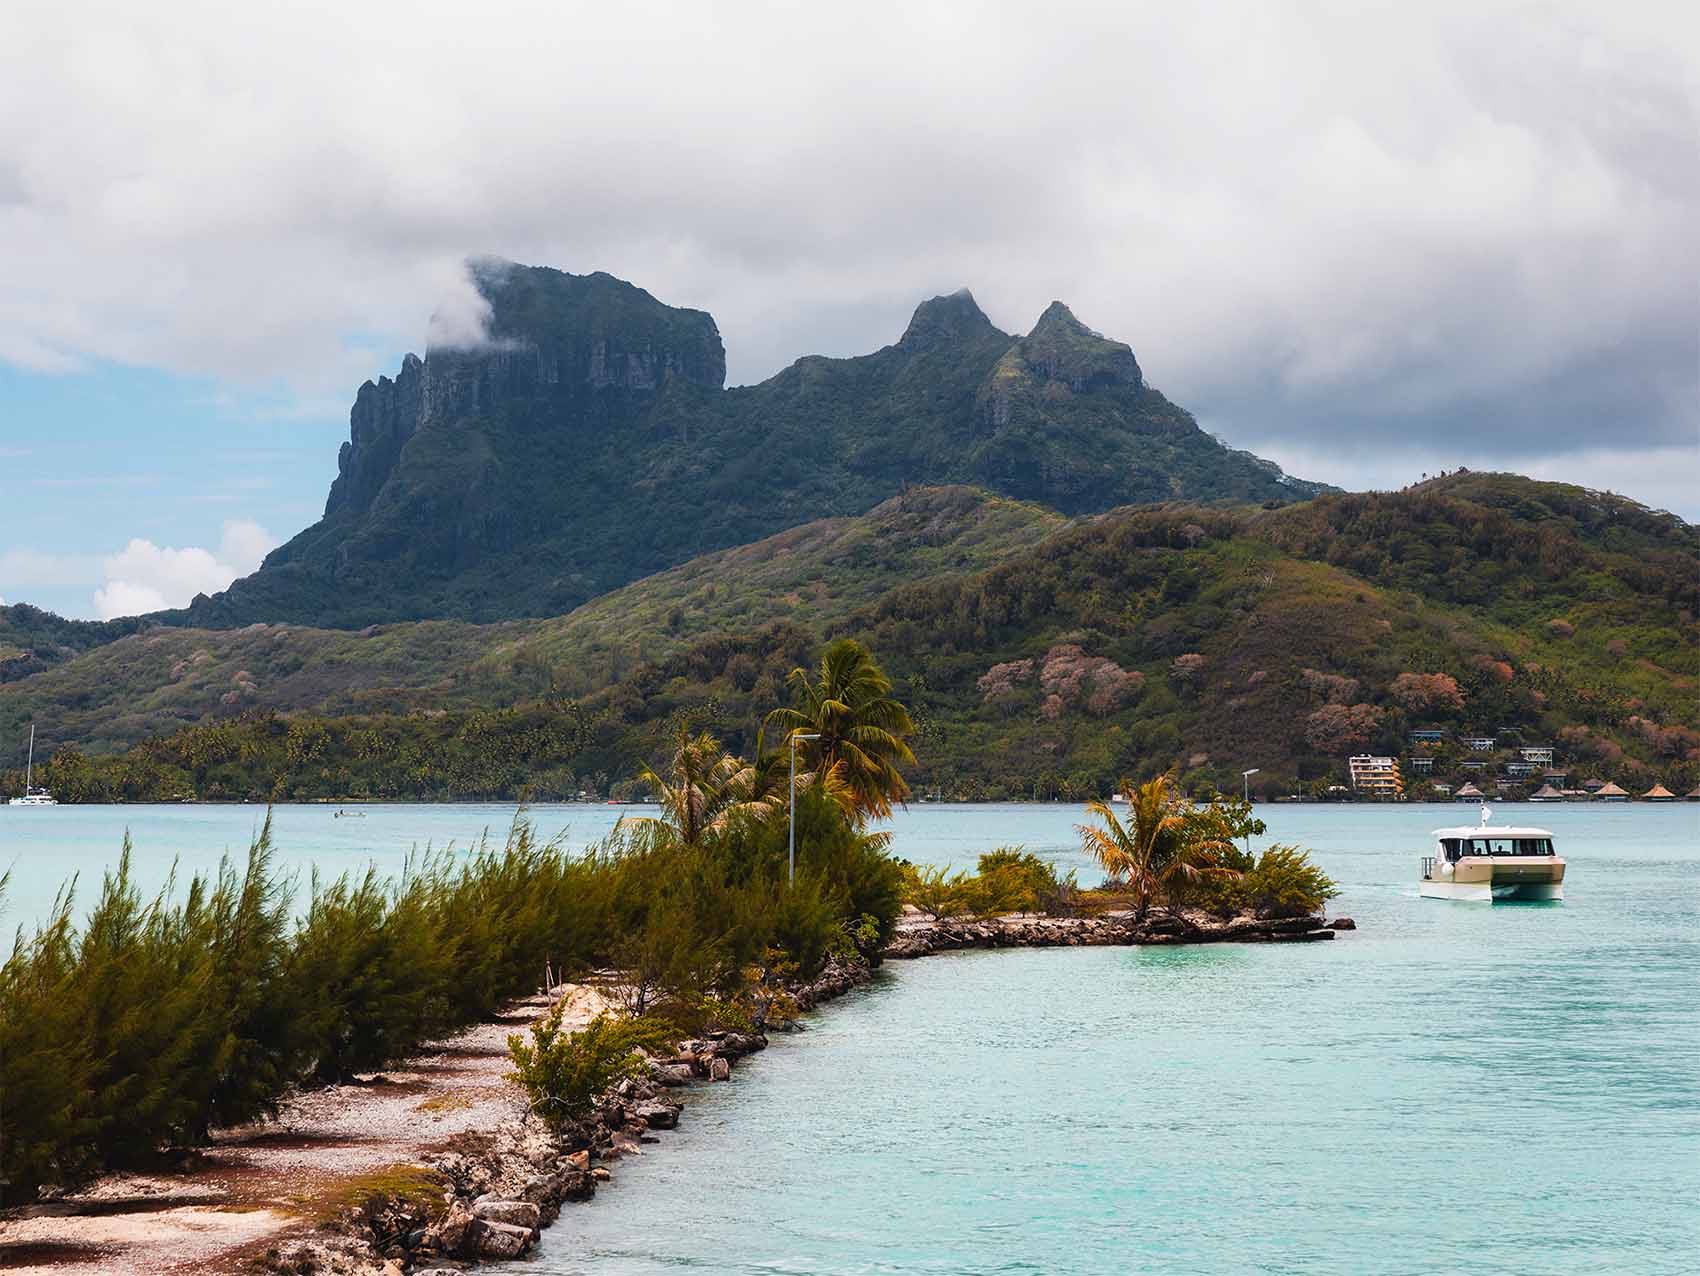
1245 783
791 850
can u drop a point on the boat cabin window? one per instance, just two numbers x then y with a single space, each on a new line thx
1456 847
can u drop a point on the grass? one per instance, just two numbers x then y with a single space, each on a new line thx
449 1101
413 1184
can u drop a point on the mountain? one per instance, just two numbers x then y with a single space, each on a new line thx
588 441
1038 654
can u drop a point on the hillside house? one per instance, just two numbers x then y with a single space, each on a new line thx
1376 776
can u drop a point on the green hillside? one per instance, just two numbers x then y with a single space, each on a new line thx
1205 638
151 683
1221 640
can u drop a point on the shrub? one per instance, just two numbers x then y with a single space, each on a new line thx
1039 889
1284 883
937 892
564 1073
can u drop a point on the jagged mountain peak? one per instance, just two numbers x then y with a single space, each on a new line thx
945 320
1062 348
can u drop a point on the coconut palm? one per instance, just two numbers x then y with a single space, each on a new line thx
706 788
861 727
1166 843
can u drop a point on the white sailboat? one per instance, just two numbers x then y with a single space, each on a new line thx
32 795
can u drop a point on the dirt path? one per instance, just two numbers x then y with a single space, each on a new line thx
261 1187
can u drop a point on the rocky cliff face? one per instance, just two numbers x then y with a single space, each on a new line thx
632 347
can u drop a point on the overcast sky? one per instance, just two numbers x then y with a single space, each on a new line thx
1369 241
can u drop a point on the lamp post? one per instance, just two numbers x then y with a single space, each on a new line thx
791 848
1245 784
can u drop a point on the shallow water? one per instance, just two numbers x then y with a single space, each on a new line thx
1453 1087
1491 1088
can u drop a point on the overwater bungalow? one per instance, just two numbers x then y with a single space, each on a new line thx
1695 795
1609 792
1546 793
1469 793
1658 793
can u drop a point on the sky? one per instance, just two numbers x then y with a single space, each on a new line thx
1368 241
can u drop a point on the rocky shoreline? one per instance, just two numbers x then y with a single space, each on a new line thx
919 938
484 1191
504 1191
503 1188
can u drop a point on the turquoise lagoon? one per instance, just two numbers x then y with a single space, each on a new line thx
1451 1088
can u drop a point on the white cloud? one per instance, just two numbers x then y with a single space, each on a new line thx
1453 218
144 577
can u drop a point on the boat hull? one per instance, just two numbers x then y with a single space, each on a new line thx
1482 880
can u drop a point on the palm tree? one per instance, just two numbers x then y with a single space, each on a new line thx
706 788
1166 842
861 728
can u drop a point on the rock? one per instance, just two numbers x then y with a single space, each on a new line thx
503 1240
660 1115
515 1213
1342 923
450 1233
579 1161
673 1074
720 1070
392 1267
600 1175
735 1045
576 1185
540 1189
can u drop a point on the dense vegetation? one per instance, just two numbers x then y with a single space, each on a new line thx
32 640
156 1020
591 443
1211 640
160 680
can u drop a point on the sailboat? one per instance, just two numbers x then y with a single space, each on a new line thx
32 795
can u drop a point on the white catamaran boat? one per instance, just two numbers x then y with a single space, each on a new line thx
1485 863
32 795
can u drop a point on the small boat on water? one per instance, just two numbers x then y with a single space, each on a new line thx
32 795
1485 862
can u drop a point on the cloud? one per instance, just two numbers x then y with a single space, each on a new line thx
144 577
1458 223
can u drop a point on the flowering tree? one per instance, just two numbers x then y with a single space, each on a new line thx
1338 728
1419 692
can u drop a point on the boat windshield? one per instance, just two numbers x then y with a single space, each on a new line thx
1456 847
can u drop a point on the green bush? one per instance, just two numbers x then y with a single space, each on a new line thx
564 1073
1284 883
